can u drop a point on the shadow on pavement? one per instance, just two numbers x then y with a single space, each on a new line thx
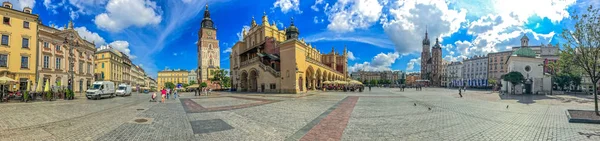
525 99
528 99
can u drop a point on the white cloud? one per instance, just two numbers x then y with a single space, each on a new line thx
52 6
122 46
87 7
121 14
317 2
317 20
287 5
20 4
90 36
411 64
228 50
239 34
407 20
348 15
174 54
502 27
361 37
186 1
380 62
351 56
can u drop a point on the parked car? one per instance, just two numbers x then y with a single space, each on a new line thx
124 90
101 89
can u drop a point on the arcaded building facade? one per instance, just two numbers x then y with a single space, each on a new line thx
273 60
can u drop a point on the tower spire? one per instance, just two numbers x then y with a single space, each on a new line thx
426 32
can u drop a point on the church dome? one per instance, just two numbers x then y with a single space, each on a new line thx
525 52
292 31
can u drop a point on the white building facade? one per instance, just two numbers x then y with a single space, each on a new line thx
454 72
475 71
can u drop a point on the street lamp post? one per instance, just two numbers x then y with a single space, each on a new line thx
71 46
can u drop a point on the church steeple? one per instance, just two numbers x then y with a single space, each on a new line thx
207 22
426 40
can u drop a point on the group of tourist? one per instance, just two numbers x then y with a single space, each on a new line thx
165 94
345 88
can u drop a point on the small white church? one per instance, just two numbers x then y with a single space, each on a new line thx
525 61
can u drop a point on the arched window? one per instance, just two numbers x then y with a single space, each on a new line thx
210 46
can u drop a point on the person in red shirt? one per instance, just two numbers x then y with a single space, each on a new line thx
163 92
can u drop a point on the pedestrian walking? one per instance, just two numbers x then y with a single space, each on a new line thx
175 94
163 93
460 92
369 88
168 92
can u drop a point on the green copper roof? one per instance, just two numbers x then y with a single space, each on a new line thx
525 52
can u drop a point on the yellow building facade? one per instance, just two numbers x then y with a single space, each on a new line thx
19 33
110 65
276 61
55 58
176 77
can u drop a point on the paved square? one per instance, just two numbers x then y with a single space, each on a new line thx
379 114
221 102
207 126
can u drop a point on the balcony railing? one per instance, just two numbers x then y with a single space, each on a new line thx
261 65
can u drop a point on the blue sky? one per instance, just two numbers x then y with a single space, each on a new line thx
380 34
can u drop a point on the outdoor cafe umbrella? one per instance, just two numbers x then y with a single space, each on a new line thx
355 82
193 86
38 85
47 87
6 80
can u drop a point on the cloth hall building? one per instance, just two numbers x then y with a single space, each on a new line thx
273 60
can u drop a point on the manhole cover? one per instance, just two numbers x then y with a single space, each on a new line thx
141 120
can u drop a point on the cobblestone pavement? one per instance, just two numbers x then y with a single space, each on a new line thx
381 114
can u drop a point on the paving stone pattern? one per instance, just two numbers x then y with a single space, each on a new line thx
381 114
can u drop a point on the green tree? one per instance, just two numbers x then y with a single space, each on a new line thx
562 80
582 46
219 75
169 85
192 82
373 82
203 84
576 79
514 78
492 82
226 81
185 85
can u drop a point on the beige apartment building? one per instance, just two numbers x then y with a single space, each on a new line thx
63 51
497 64
175 76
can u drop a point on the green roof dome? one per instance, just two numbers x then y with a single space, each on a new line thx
525 52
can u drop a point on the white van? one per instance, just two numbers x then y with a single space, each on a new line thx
101 89
124 90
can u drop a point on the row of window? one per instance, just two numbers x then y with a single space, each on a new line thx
5 41
4 61
6 21
58 64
